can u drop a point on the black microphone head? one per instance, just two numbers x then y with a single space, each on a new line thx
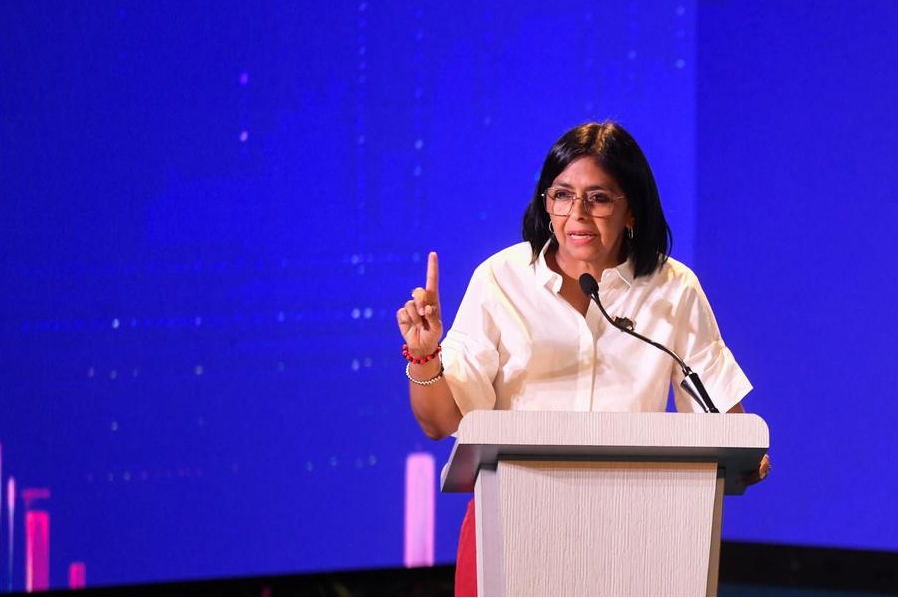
588 284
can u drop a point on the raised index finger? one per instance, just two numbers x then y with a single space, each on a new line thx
433 274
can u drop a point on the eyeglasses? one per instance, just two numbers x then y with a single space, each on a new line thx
560 202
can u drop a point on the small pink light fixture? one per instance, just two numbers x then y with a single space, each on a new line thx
420 506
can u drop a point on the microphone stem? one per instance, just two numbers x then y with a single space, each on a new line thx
691 382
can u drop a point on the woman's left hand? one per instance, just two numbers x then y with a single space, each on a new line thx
763 466
763 470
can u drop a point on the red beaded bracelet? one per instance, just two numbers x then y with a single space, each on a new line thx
409 357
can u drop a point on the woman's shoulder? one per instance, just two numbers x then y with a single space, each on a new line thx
675 274
511 265
515 257
678 268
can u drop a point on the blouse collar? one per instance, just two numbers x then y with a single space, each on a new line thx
611 277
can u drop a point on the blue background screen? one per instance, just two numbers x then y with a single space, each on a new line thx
209 216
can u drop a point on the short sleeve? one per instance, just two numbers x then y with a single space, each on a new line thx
701 347
470 354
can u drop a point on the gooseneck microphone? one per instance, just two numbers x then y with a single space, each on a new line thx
691 382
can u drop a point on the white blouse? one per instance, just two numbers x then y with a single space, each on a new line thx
517 344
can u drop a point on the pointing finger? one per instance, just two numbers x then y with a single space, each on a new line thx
433 275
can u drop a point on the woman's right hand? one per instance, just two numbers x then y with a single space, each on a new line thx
419 319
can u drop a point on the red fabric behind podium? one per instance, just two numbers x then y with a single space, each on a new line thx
466 560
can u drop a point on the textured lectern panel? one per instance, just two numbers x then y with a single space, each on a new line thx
606 529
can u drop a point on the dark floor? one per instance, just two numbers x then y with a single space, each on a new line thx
745 570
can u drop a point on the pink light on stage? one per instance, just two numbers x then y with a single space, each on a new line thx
420 505
37 551
77 575
1 510
11 513
37 541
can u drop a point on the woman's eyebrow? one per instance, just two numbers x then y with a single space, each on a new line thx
597 186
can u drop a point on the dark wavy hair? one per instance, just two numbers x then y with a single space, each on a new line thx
615 150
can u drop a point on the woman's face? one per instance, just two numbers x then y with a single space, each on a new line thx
587 242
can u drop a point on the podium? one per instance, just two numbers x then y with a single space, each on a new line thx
601 504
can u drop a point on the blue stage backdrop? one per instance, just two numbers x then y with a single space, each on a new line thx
210 215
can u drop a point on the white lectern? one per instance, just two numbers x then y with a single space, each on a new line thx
601 504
